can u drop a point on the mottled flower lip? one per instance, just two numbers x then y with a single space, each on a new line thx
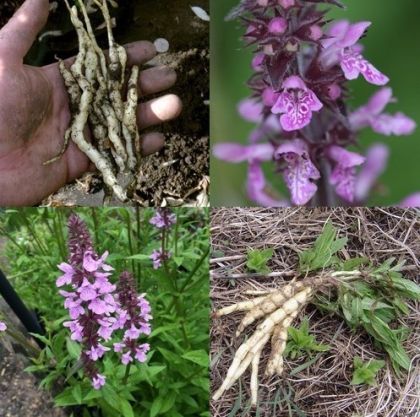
299 172
295 103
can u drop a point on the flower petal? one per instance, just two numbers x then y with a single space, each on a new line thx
256 187
299 171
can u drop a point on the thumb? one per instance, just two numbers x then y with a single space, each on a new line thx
19 33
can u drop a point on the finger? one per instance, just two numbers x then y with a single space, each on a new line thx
19 33
152 142
155 80
138 53
159 110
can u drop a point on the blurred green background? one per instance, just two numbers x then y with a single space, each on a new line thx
392 45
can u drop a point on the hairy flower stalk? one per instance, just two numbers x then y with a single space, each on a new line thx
163 220
302 66
98 308
133 316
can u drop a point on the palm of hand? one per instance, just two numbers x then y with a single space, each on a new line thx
34 119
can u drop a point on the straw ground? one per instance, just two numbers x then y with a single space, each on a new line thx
319 387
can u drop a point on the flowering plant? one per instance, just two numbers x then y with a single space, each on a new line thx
98 308
95 357
300 89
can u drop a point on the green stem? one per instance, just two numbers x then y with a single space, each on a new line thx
138 241
95 224
176 235
58 234
130 241
127 374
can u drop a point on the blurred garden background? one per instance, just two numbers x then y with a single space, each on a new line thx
392 45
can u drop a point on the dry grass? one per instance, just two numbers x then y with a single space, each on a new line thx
323 388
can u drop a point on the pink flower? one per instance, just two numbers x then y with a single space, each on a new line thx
132 333
372 115
98 381
96 352
299 170
3 326
234 152
341 47
343 176
68 274
296 103
257 187
91 264
118 347
141 351
411 201
126 358
376 161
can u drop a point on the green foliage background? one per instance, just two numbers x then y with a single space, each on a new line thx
175 381
392 44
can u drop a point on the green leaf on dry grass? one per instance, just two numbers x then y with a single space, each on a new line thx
301 342
322 254
365 372
257 260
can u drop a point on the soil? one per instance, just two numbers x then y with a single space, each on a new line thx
179 173
19 395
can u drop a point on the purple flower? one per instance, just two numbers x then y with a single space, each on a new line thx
343 176
375 164
341 47
98 381
257 188
411 201
386 124
302 64
136 311
299 171
296 104
164 218
158 257
68 274
3 326
141 351
126 358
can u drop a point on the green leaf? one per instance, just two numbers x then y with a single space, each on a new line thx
126 409
365 373
354 263
257 260
73 348
77 393
66 398
405 287
199 357
156 406
321 255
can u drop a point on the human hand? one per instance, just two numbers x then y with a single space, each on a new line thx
34 112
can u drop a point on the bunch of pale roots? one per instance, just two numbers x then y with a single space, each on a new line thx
278 309
95 89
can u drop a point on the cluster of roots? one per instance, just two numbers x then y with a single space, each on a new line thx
277 309
96 92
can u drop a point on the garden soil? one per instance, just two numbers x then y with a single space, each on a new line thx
179 173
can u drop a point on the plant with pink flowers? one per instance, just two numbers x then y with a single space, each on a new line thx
102 354
303 63
97 309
